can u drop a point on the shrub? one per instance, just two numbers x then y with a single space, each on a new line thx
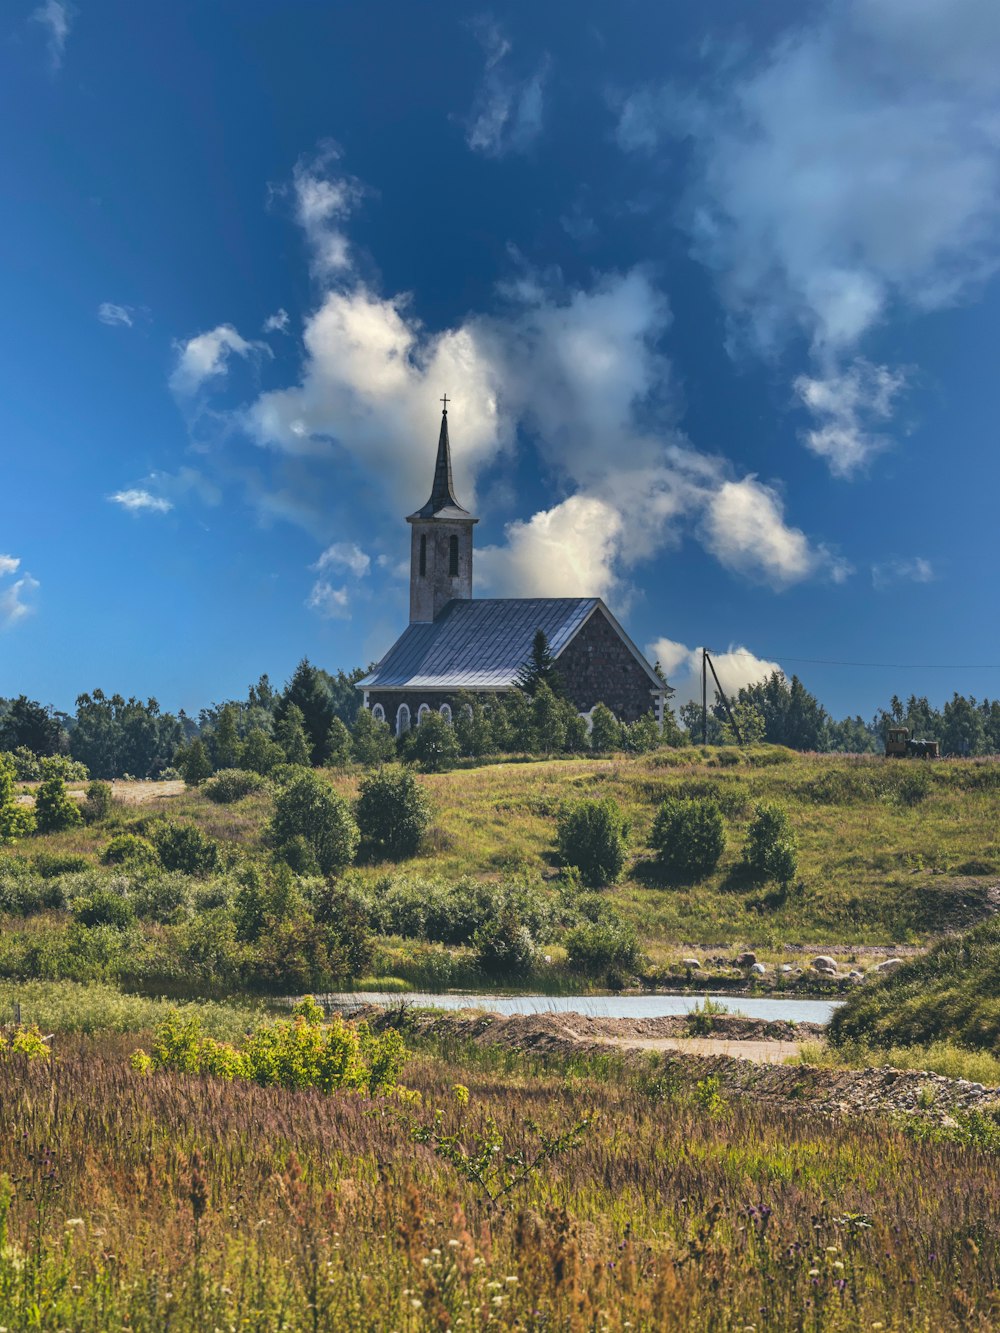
608 947
62 766
769 851
338 744
605 730
161 897
129 849
104 908
593 836
504 947
688 837
233 784
184 847
311 810
51 865
98 803
194 763
55 809
15 821
435 745
371 740
392 812
26 765
260 753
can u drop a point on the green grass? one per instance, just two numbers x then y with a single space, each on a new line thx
939 1057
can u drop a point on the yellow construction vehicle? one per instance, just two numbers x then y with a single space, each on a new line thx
898 745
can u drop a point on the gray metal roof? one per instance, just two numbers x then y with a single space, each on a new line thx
480 643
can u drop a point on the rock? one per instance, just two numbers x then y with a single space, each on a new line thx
889 965
690 962
824 963
856 976
758 969
746 959
786 969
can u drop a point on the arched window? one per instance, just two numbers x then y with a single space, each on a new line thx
402 719
422 712
453 557
378 713
423 554
445 711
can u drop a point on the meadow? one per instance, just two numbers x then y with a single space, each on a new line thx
175 1201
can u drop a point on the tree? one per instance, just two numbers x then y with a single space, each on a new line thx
593 836
688 837
435 745
309 809
260 753
309 692
392 812
472 727
55 809
31 724
539 668
504 947
371 740
769 851
605 730
642 736
114 736
227 751
15 821
193 762
290 734
519 723
547 719
963 730
750 722
338 744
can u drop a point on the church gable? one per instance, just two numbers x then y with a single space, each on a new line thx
600 664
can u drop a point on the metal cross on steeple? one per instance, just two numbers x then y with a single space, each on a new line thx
445 401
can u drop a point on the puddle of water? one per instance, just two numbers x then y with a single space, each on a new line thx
598 1006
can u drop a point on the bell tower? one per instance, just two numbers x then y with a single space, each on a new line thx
440 541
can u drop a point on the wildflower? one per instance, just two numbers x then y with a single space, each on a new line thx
453 1243
425 1262
498 1300
838 1264
814 1272
74 1221
416 1304
435 1251
478 1260
510 1280
831 1249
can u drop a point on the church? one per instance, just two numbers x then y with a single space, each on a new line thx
456 643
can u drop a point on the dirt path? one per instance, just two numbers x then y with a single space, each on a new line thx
129 793
760 1052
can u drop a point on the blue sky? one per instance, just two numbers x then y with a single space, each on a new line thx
711 288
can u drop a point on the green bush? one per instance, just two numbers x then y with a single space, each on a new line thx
260 754
233 784
51 865
55 809
435 745
392 812
606 948
104 908
311 811
371 740
504 947
593 836
98 803
605 729
688 837
61 766
769 852
193 762
184 847
129 849
26 765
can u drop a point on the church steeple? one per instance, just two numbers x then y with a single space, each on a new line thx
441 541
442 503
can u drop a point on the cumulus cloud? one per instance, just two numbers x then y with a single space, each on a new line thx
745 530
276 323
55 17
856 166
329 602
560 552
850 407
912 569
206 356
15 597
681 665
139 501
323 202
115 315
345 555
508 109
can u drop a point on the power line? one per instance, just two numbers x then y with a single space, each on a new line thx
883 666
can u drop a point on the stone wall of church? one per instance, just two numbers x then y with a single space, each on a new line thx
597 667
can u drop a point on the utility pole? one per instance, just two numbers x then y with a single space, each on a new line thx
704 696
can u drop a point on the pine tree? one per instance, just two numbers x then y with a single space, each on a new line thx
371 740
193 762
290 733
338 744
605 731
539 668
226 745
547 720
55 809
307 690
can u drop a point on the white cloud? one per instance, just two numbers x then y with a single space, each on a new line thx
323 202
681 665
508 109
139 501
55 17
850 406
115 315
14 603
206 356
329 602
276 323
854 167
745 529
566 551
345 555
913 569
